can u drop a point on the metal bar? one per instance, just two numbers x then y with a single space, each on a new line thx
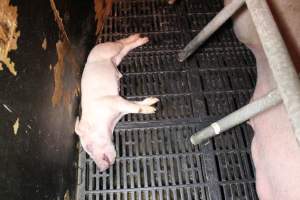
210 28
241 115
279 60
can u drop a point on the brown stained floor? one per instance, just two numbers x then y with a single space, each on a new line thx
38 101
8 34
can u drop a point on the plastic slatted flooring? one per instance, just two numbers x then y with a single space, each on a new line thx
155 159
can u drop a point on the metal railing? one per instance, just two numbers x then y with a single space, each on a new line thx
282 67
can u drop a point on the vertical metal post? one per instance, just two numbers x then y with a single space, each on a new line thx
279 60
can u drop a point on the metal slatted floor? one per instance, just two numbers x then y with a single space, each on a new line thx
155 159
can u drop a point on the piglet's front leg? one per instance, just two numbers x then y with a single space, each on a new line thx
144 107
123 106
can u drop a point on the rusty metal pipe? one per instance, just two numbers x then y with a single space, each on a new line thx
279 60
210 28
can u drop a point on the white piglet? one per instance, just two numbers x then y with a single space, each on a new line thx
102 107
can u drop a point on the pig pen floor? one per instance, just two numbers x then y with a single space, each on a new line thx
155 159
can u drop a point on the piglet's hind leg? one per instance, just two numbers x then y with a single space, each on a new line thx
146 105
128 44
130 39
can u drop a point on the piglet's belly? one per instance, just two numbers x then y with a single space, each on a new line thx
100 80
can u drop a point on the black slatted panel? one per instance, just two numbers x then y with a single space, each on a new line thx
155 159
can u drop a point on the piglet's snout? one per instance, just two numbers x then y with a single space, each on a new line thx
104 156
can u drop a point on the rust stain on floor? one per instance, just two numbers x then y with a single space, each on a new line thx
16 126
66 86
59 21
67 195
58 73
65 72
8 34
102 9
44 44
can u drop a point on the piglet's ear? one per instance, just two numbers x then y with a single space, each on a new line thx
82 127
